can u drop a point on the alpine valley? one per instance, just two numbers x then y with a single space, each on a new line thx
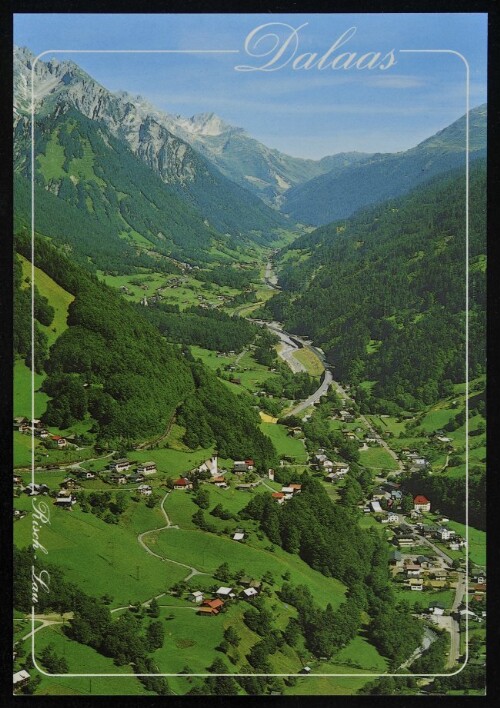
252 427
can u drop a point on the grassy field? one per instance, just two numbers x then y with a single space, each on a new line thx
424 598
173 462
207 551
59 298
285 444
477 542
83 659
104 558
313 364
377 458
22 391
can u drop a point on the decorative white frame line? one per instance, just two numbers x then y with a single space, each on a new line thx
298 675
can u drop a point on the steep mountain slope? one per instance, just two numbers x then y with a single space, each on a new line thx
384 292
62 85
266 172
339 193
94 195
111 364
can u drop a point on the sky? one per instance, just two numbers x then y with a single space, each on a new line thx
297 93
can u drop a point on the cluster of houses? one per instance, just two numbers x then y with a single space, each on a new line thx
451 538
287 492
213 605
413 460
117 470
27 426
334 471
217 476
420 572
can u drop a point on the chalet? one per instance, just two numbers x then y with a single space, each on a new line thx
18 514
88 475
249 592
215 604
480 588
439 573
135 477
20 679
443 439
306 670
421 503
25 428
118 478
20 420
207 611
444 534
412 570
183 483
296 487
17 479
65 500
61 442
333 477
396 494
392 518
279 496
195 596
454 546
295 432
375 505
240 467
479 577
220 482
287 491
247 486
238 536
145 490
147 468
44 434
270 474
371 438
224 592
436 609
416 585
70 483
120 465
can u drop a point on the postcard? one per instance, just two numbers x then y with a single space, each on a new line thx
249 311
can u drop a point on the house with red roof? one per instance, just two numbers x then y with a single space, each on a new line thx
183 483
421 503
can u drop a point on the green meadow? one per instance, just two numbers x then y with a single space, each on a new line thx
286 445
207 551
377 458
104 558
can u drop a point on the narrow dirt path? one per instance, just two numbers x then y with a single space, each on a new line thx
140 538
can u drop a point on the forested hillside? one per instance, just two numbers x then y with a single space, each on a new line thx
341 192
93 194
114 365
384 292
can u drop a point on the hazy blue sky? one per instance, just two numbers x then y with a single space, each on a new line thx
308 113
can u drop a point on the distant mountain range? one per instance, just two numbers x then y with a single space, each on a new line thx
222 176
60 86
340 192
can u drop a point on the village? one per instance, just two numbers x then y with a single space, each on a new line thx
427 555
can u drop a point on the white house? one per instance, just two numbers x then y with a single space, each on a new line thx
421 503
249 592
195 596
145 489
375 505
224 592
392 518
147 468
238 536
